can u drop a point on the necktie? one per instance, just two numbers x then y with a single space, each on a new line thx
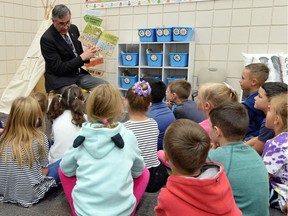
70 44
68 41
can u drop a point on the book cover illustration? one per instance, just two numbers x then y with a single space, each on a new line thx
95 36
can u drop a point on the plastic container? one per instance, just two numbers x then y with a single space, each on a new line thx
178 59
128 81
154 59
182 33
130 59
163 34
170 79
147 34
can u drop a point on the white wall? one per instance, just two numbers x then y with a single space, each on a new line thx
224 29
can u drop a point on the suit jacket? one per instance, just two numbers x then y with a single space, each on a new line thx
61 64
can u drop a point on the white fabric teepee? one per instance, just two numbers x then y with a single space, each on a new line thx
31 68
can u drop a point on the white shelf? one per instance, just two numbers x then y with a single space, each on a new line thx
165 70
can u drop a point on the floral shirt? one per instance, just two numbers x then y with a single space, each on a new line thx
275 156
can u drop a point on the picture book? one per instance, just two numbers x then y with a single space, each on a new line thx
95 36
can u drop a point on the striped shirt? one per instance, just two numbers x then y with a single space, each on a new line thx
24 186
146 133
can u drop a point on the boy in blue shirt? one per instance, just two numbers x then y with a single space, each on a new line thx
178 92
159 111
253 76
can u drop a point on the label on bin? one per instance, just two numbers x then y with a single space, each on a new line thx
127 80
145 33
177 58
182 31
148 33
161 32
166 32
128 57
154 57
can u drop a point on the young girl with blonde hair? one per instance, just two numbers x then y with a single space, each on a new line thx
105 158
138 101
275 153
66 112
210 96
24 168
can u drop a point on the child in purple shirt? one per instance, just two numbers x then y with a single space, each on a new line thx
275 153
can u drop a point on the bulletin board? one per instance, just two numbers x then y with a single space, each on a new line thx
96 4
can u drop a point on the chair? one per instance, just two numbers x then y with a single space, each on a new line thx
139 188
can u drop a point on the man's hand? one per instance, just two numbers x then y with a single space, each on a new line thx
88 53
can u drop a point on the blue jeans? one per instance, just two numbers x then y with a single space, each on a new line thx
53 170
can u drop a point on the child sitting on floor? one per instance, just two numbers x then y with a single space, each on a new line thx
138 101
262 102
275 153
195 187
244 167
43 102
25 175
253 76
178 92
105 158
66 112
211 95
159 111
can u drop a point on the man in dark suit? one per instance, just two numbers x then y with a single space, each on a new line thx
64 55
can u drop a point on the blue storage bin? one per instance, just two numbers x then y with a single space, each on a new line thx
163 34
182 33
170 79
147 35
130 59
178 59
154 59
128 81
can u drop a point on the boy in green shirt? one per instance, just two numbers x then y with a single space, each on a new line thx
244 167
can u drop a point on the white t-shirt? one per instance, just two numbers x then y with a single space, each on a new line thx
63 134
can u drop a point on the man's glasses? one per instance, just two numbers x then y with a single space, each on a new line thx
63 24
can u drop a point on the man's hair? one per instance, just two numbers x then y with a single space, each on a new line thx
232 118
274 88
258 71
279 106
158 89
187 144
60 11
181 87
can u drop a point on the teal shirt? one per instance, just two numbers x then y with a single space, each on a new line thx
247 175
104 172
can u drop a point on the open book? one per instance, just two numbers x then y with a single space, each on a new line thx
95 36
